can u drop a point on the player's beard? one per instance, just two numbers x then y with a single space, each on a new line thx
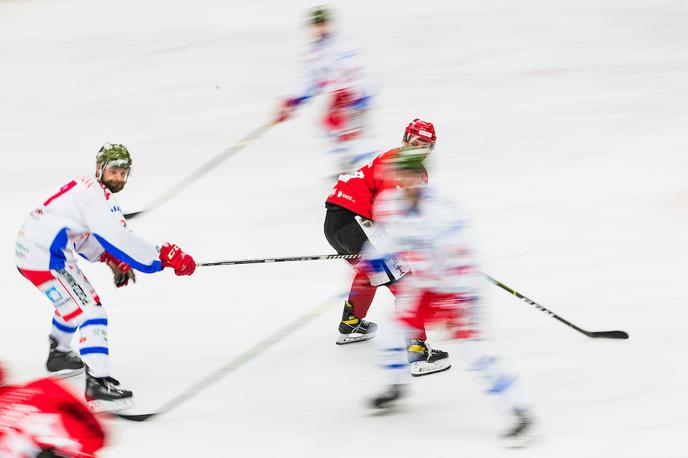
114 186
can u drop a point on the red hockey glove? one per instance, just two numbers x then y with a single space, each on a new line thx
286 109
173 256
121 271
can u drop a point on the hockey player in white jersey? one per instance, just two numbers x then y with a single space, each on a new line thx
423 228
332 66
84 219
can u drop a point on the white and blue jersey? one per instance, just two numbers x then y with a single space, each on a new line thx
431 238
330 64
83 218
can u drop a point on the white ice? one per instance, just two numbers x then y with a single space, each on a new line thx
562 129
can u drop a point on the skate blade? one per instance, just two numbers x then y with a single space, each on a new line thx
344 339
521 441
394 407
66 373
99 406
421 368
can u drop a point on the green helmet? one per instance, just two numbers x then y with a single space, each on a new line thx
113 154
320 15
409 158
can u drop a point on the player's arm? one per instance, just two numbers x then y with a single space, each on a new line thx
123 245
311 85
91 250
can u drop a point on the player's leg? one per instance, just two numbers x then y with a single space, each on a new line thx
102 390
77 307
345 235
352 327
62 361
499 382
417 308
393 362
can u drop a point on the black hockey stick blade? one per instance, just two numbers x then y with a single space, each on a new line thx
133 214
609 334
138 418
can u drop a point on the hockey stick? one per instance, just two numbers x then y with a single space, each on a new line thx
286 259
593 334
235 363
198 173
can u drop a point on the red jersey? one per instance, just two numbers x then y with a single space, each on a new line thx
43 415
357 191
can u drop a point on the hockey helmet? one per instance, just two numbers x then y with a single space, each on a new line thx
421 129
320 15
113 155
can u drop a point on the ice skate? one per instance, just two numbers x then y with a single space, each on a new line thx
63 364
425 360
104 395
520 434
353 329
388 398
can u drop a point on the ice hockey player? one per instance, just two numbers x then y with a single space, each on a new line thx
349 224
84 219
423 228
43 419
334 67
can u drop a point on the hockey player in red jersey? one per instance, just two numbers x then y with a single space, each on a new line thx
43 419
349 224
84 220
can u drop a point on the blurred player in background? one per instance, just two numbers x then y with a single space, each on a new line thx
349 224
422 228
333 67
83 218
43 419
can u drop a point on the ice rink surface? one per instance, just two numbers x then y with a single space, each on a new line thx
563 131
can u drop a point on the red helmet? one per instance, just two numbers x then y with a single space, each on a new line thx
421 129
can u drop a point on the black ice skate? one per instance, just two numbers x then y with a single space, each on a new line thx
387 399
520 434
353 329
62 364
425 360
103 394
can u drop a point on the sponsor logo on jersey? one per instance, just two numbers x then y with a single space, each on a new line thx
345 196
75 287
53 294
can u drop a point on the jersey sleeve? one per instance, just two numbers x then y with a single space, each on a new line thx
110 232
